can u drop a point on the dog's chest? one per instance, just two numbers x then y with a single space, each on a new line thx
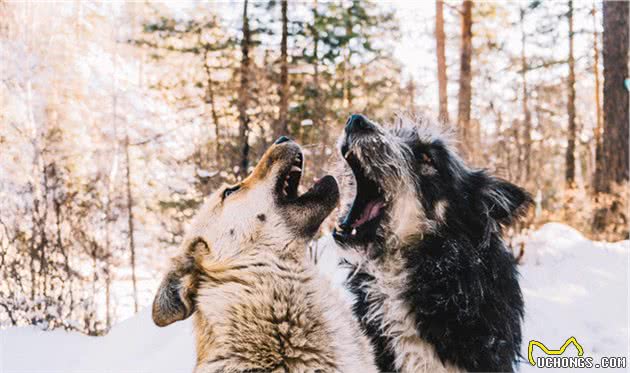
388 320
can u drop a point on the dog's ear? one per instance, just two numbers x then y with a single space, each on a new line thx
504 201
175 298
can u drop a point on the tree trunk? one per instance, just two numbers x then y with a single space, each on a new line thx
571 136
527 115
613 167
410 92
440 40
318 115
108 242
243 94
108 295
132 243
598 108
465 88
347 72
282 127
210 100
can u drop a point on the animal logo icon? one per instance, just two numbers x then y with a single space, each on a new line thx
560 351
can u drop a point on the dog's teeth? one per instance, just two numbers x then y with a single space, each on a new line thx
296 168
354 232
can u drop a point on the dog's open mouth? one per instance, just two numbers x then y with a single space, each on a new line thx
368 207
289 180
304 212
289 184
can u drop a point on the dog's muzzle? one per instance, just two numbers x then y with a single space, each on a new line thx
357 123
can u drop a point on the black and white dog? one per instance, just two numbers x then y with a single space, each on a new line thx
436 289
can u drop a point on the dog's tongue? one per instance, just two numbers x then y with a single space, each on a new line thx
371 210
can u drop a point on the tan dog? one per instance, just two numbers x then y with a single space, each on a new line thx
260 304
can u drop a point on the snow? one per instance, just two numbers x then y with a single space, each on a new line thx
135 345
572 287
578 288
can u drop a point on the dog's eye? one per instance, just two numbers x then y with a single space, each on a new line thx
425 158
231 190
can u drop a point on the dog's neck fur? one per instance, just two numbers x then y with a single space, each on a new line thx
381 281
264 245
293 299
225 282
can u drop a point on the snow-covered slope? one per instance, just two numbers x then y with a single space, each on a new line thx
578 288
572 287
135 345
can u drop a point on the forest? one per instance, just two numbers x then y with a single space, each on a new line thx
117 118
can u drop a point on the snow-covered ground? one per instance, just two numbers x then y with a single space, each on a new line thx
573 287
578 288
135 345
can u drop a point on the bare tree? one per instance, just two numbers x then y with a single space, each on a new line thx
129 195
130 225
527 115
440 41
243 94
282 127
465 80
571 136
598 107
210 100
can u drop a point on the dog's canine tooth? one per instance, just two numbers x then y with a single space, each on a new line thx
296 168
354 232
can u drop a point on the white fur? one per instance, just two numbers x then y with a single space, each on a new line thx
440 210
413 354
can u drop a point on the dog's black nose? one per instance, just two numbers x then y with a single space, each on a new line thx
282 139
358 123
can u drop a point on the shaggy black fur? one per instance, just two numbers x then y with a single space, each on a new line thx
462 282
384 357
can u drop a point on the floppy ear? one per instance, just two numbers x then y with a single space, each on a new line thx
175 298
505 202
